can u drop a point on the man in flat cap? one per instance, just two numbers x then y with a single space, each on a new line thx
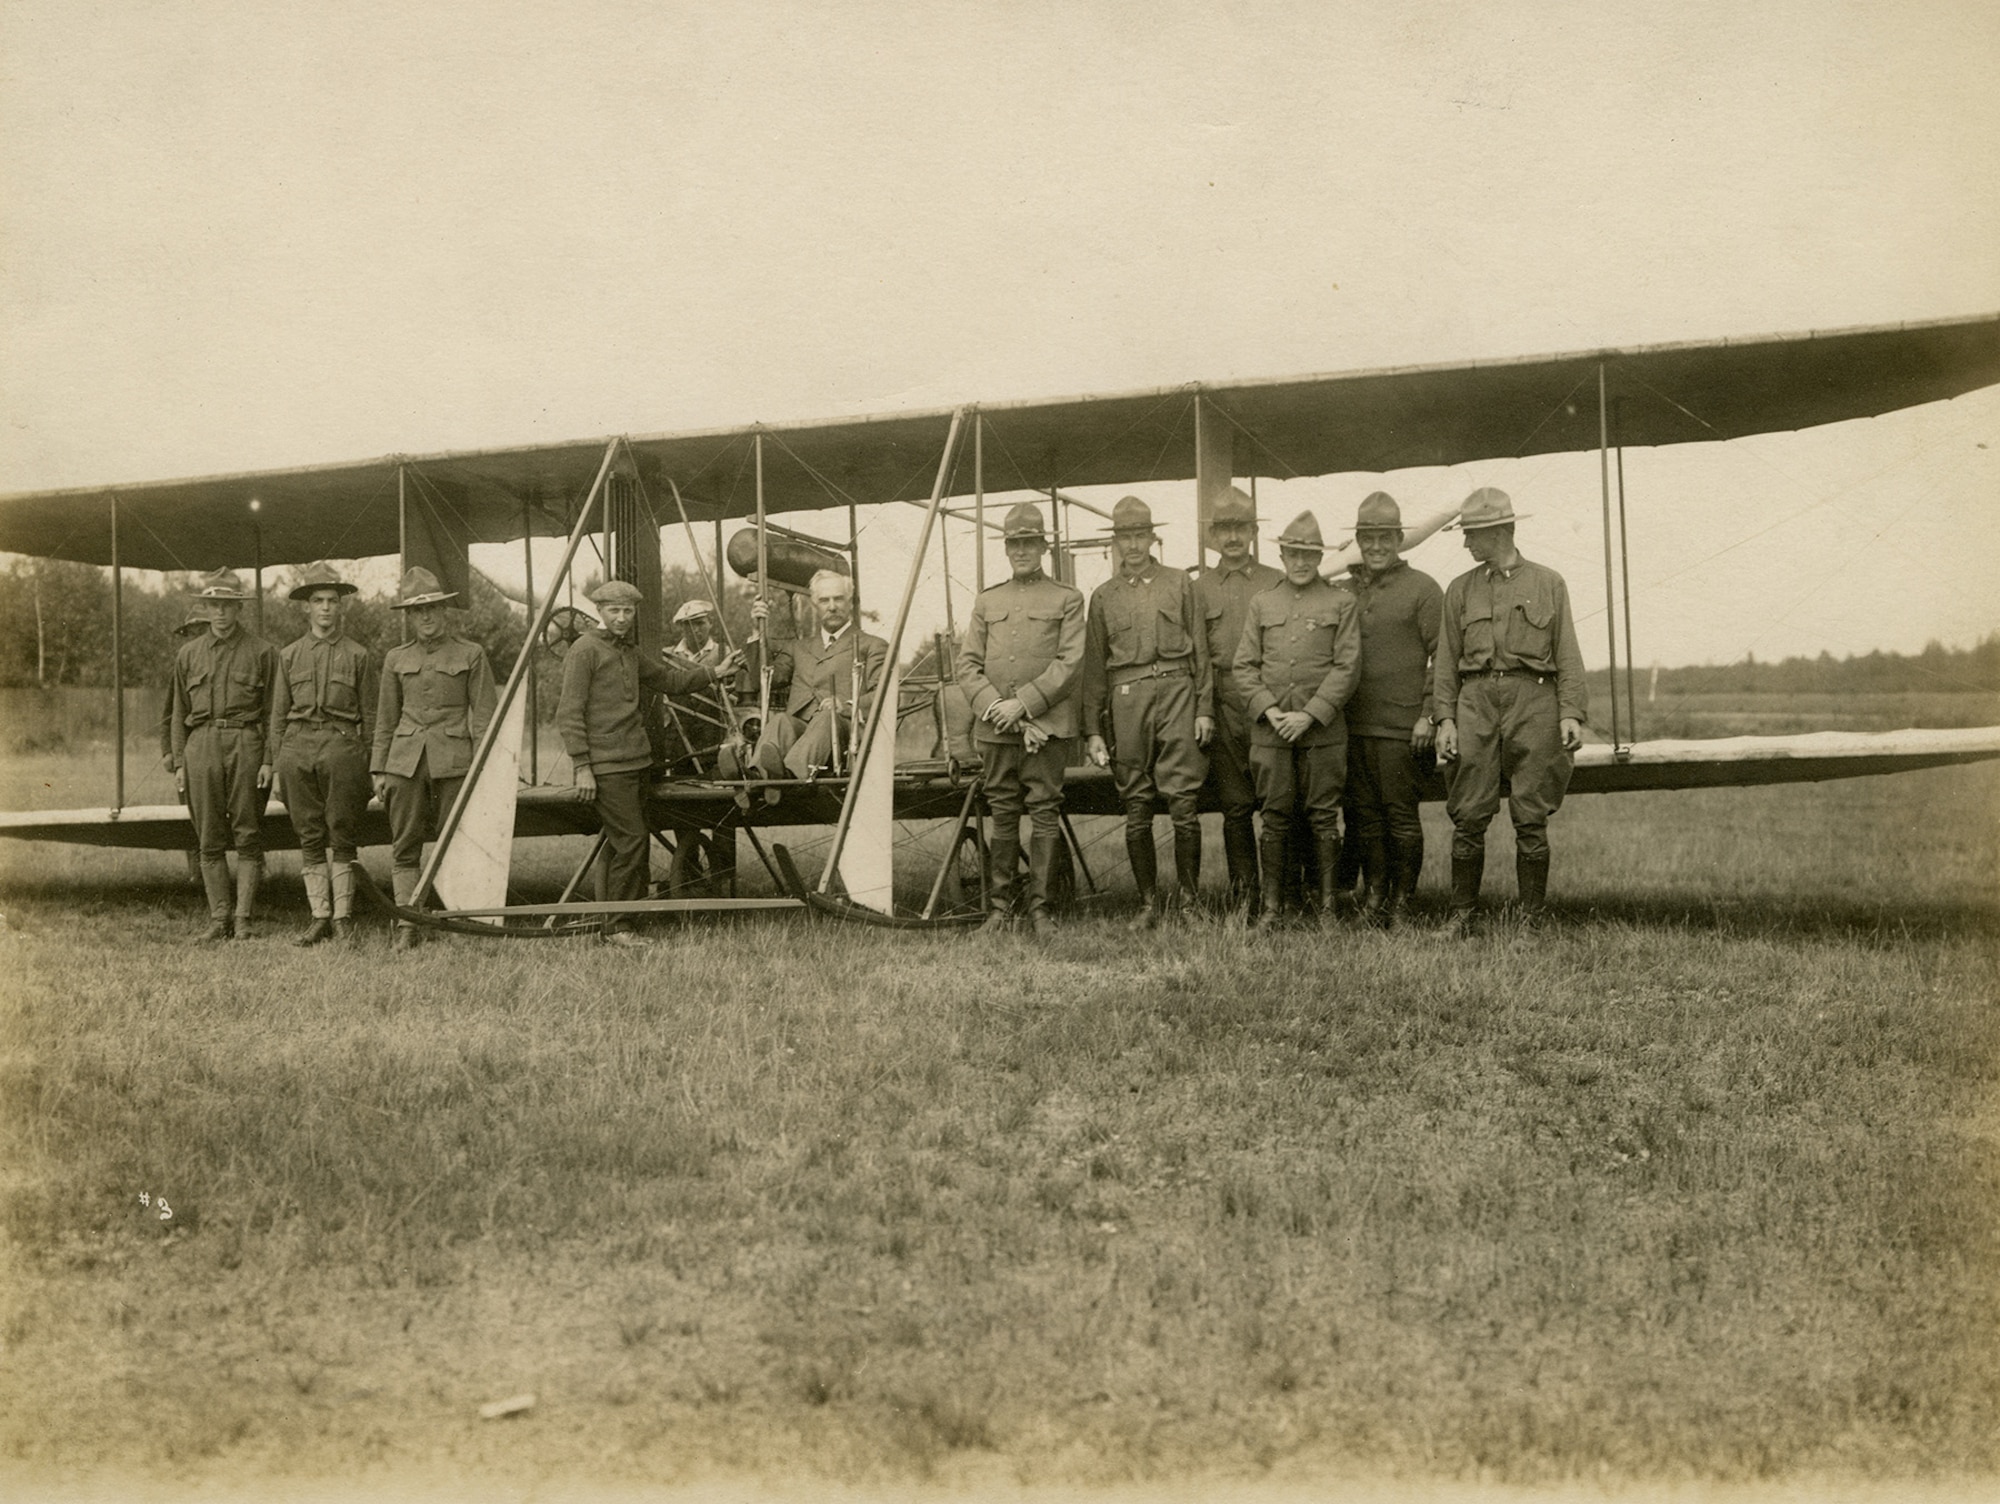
436 700
1018 667
1298 661
225 731
606 681
1222 595
1147 679
193 625
329 694
805 738
699 720
1510 699
1390 719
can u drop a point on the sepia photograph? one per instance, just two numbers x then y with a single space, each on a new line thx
1043 752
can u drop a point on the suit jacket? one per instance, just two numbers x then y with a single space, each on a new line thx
815 672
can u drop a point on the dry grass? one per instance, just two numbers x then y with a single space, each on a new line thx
1703 1184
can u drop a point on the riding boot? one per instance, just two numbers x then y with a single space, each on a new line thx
1466 873
1531 876
319 901
1239 850
1328 848
215 884
1042 850
1375 879
194 867
1389 909
343 899
1275 852
1145 874
1003 865
249 878
1187 870
404 882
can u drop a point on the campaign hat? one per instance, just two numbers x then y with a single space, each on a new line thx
615 593
320 576
690 610
1131 515
1302 534
1233 505
223 585
1489 506
1024 520
1378 512
420 588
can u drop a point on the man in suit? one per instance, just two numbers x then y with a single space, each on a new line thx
831 675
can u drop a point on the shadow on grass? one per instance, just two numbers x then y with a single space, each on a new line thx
1806 916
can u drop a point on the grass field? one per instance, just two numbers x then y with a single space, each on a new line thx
1703 1184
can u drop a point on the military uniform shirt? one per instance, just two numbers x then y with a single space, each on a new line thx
226 681
1025 641
1301 650
1136 621
1517 618
328 679
1222 596
1400 608
601 715
435 703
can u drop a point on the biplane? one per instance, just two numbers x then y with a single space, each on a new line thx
617 496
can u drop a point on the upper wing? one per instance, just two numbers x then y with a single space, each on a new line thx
1369 421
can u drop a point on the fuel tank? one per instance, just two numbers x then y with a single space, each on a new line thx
792 563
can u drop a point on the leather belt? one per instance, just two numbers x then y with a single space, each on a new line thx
1159 668
1507 673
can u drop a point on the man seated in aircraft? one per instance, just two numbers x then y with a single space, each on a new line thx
195 624
1509 694
1018 667
1222 596
1298 662
601 717
330 698
1389 720
224 733
812 731
436 700
1147 678
697 722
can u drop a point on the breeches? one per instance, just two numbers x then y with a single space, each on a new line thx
1382 793
800 748
224 801
1302 782
1508 727
1019 781
1154 753
621 810
416 805
323 774
1229 770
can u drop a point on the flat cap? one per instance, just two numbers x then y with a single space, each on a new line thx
692 610
615 593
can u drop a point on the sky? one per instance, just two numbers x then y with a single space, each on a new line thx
239 237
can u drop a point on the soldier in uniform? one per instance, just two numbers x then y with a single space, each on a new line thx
602 721
226 714
1146 668
437 698
1222 597
803 739
1389 720
1018 667
1510 699
1298 663
329 691
198 618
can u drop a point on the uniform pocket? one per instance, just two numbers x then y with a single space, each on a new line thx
1532 632
1478 635
1170 635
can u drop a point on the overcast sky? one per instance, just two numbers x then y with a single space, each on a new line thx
248 236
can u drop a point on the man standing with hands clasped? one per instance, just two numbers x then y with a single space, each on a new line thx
1510 698
1298 662
1145 664
1018 667
606 680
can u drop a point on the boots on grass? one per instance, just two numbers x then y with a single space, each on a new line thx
404 882
1328 848
1042 849
1531 876
1466 873
1275 850
342 878
319 899
1003 864
1239 850
215 885
249 878
1145 874
1187 870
